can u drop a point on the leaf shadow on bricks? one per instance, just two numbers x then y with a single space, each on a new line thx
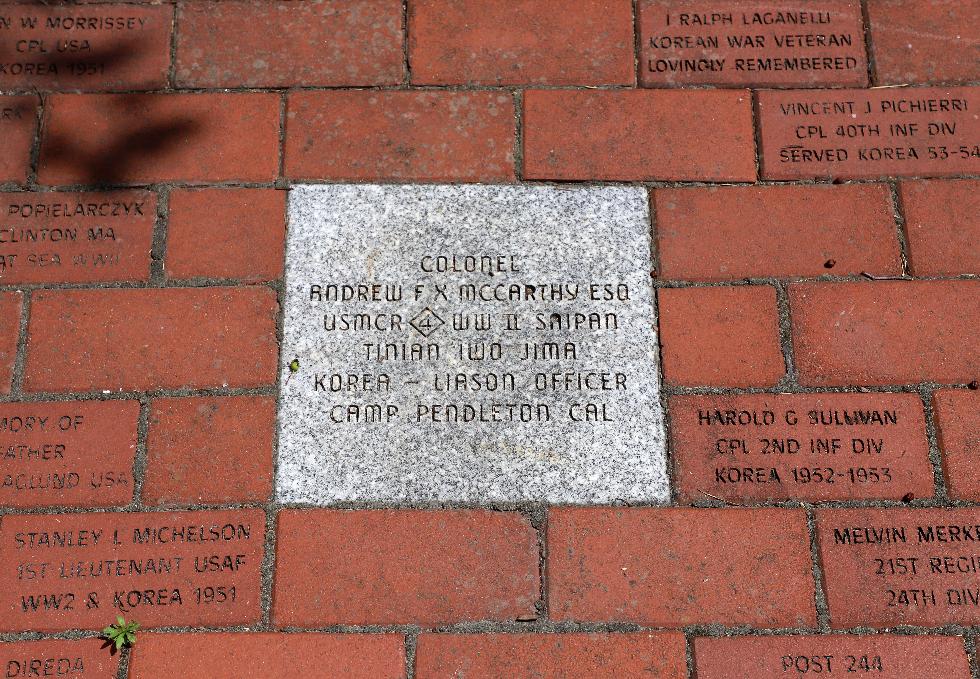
136 142
140 134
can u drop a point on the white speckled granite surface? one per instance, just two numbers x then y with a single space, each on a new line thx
449 428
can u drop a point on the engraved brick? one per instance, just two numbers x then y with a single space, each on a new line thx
720 336
69 453
920 41
486 656
420 136
887 567
958 428
79 571
942 225
235 655
896 132
99 47
757 447
706 42
145 138
703 135
274 44
496 42
674 567
82 340
393 567
10 309
81 658
885 332
76 237
760 231
210 450
18 121
877 655
226 233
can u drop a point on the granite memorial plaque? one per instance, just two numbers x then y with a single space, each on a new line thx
469 343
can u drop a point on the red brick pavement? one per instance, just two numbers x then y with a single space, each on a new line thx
813 173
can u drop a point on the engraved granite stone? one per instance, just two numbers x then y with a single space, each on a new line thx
469 343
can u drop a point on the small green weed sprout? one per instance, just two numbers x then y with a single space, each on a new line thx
122 634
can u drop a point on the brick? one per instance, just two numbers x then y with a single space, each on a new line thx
10 309
210 450
674 567
706 42
145 138
259 655
179 568
76 237
958 429
694 135
83 340
942 226
887 567
392 567
420 136
919 41
879 655
487 656
761 231
68 453
720 336
81 658
495 42
885 332
226 233
279 44
853 134
757 447
105 47
18 122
